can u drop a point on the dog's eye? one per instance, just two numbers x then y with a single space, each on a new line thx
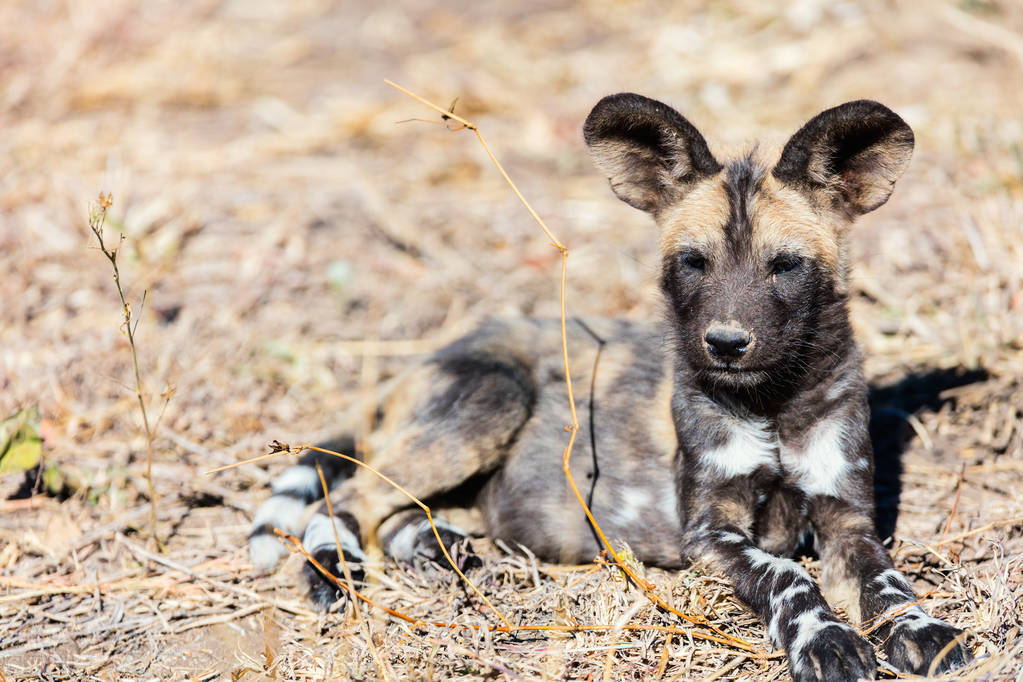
785 263
694 260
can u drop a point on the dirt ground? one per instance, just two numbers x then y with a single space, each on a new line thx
296 244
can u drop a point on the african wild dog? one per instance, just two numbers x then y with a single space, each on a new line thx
725 434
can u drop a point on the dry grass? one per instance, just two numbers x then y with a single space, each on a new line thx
295 244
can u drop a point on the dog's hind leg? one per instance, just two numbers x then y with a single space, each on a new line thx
445 422
292 491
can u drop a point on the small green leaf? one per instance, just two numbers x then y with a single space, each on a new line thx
21 456
20 444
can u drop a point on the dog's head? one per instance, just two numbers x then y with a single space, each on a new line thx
754 254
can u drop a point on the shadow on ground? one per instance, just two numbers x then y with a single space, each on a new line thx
891 406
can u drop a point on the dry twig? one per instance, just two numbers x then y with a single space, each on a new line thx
97 218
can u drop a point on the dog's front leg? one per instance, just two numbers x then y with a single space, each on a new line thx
859 572
778 590
833 469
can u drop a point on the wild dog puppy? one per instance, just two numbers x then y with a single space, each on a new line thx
725 434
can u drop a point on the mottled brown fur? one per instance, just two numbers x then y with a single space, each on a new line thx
727 434
697 221
785 218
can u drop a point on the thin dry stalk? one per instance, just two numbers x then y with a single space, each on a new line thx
348 577
936 302
97 218
573 428
955 505
983 529
295 545
279 448
282 447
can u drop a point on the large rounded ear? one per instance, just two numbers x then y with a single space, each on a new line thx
648 151
848 157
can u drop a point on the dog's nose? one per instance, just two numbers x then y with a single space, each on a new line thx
727 342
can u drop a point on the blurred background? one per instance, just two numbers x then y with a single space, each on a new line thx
299 237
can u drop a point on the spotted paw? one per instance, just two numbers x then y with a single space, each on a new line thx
458 546
829 650
464 556
416 544
324 591
323 537
917 640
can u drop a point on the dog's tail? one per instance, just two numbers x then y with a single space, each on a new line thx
292 492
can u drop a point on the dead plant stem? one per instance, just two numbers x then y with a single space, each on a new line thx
573 428
346 571
97 218
296 546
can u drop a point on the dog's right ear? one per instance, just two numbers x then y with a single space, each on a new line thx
648 151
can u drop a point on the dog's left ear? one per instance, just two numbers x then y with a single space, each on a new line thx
849 156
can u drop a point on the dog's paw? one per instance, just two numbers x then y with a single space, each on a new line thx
464 556
429 552
265 550
917 639
829 650
417 545
324 592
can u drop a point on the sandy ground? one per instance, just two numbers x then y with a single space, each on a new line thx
295 245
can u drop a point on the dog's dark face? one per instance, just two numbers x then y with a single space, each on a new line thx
753 256
750 276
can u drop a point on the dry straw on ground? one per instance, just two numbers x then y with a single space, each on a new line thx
296 244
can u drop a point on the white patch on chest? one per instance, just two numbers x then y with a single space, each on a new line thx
821 466
751 445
